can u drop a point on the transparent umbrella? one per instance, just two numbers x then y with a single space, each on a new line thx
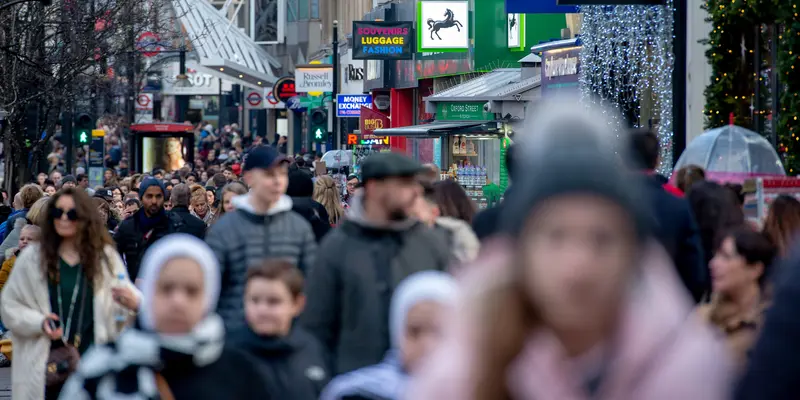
734 150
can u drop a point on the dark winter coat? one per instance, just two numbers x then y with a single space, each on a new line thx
191 225
774 366
676 230
293 367
242 239
133 242
315 213
349 289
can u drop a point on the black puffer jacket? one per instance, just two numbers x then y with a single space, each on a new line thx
349 289
301 190
292 367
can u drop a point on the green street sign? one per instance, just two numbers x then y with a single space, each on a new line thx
462 111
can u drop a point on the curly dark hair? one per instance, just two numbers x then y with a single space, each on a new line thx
91 240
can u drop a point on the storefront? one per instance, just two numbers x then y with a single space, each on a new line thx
203 92
474 124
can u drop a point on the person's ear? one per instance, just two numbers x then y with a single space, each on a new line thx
758 270
299 304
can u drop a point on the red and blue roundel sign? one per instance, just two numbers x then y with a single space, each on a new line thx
254 99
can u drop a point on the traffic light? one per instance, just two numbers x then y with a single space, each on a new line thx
83 129
319 126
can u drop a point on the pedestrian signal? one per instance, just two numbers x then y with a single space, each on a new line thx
84 124
319 126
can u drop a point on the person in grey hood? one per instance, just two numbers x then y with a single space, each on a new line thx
262 226
362 261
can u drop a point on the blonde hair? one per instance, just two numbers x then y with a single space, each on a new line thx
326 193
198 193
37 213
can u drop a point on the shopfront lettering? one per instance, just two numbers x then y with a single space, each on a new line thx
373 124
555 67
382 31
354 74
382 40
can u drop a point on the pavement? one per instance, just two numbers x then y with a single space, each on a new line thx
5 383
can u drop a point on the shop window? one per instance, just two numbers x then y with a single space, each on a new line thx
314 9
291 10
303 10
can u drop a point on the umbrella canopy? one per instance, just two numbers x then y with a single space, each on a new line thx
338 158
732 150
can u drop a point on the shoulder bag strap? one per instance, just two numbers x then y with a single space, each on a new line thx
80 312
164 392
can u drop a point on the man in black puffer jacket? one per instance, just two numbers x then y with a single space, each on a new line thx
301 190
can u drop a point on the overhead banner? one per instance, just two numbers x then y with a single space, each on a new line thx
443 26
349 105
383 40
313 78
372 120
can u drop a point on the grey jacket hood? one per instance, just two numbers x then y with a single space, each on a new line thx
243 203
357 216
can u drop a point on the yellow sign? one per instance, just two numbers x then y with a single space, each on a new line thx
315 94
98 133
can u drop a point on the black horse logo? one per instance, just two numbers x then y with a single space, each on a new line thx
512 24
449 22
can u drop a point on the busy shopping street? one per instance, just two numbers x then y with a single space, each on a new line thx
399 199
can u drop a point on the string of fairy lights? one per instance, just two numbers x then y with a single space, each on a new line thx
626 64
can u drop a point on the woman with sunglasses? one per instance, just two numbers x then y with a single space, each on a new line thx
64 294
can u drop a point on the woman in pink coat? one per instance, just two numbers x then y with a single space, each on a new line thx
579 304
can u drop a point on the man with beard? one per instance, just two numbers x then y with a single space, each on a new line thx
360 263
151 222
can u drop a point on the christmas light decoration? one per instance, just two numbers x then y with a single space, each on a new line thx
626 63
789 74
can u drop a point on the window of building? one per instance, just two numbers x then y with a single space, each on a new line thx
302 10
314 9
291 10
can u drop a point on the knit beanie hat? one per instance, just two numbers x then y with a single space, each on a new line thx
147 182
572 152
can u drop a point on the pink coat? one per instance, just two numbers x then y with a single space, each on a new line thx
665 351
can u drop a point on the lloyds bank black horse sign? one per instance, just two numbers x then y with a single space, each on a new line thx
443 26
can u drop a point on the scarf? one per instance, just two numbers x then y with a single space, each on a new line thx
146 224
148 353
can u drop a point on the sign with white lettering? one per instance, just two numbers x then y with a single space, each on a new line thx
349 105
313 78
561 69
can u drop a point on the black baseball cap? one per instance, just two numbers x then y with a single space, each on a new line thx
104 194
389 165
263 157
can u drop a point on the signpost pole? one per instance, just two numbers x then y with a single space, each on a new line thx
336 131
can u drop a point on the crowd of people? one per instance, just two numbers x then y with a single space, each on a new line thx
594 278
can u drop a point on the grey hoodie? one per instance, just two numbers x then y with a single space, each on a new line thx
243 238
349 289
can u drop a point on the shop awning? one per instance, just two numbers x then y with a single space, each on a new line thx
499 85
437 129
222 47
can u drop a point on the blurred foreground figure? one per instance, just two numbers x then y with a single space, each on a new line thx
581 303
176 351
418 307
774 366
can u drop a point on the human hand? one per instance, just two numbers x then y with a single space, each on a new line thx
126 297
53 334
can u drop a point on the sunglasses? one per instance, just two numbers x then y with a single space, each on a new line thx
57 213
